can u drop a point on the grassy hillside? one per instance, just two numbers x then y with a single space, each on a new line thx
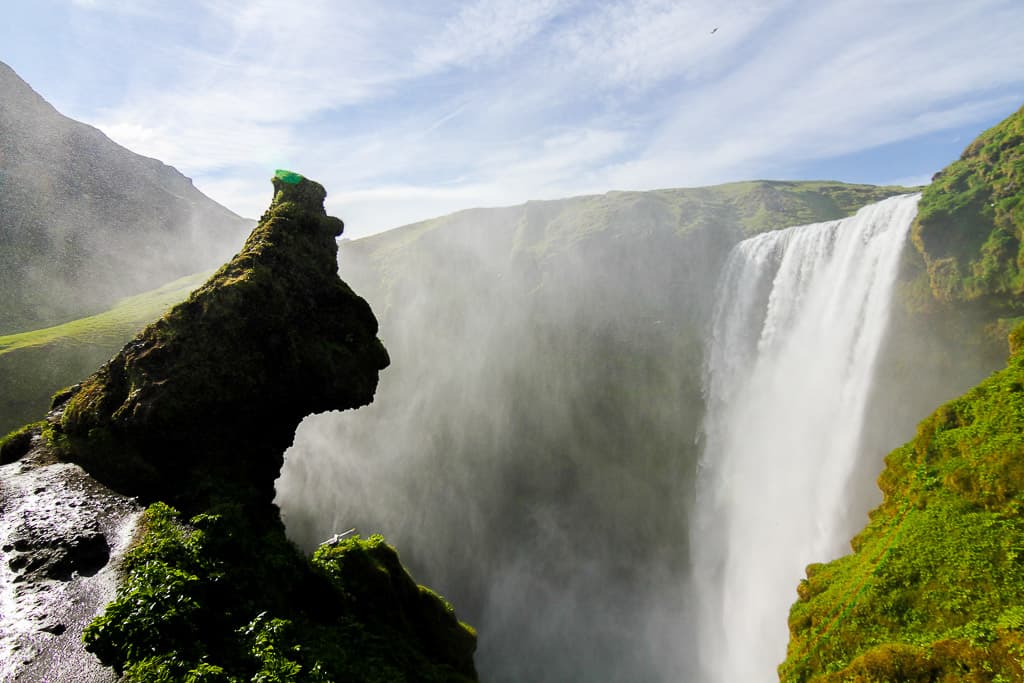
35 364
935 587
85 222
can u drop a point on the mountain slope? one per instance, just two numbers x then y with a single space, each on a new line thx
35 364
85 222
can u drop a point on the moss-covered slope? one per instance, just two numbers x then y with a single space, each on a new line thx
194 415
934 590
971 221
36 363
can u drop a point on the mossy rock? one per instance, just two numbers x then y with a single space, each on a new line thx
381 589
970 221
18 442
215 599
271 337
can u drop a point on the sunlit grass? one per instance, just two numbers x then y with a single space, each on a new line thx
110 327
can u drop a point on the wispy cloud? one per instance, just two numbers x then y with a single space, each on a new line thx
405 111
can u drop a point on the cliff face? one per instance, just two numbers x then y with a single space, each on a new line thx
192 418
84 221
933 589
963 280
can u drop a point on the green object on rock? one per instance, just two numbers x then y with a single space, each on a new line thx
289 177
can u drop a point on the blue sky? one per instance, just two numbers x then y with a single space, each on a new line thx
407 110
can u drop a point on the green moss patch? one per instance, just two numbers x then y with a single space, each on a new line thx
216 599
934 588
970 221
18 442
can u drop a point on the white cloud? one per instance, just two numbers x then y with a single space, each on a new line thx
494 101
487 30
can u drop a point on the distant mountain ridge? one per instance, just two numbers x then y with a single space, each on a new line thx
85 222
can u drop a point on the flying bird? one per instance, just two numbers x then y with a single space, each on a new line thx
713 30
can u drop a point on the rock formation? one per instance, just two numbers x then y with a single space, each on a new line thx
273 336
192 418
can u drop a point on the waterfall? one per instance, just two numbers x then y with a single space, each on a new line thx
799 319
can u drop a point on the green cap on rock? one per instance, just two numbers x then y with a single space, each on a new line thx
290 177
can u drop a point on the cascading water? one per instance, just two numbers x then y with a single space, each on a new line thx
800 317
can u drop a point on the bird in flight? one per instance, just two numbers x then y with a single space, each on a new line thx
713 30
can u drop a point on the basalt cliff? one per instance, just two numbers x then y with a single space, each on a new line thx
159 470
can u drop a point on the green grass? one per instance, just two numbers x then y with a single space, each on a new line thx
36 363
970 222
934 588
112 327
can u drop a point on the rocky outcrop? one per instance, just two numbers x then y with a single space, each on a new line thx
191 418
971 221
963 280
273 336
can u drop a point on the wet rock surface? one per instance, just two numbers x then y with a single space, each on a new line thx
62 534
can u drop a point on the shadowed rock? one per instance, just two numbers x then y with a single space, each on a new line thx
213 391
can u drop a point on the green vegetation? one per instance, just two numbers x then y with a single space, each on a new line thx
35 364
934 588
971 222
212 601
111 328
16 443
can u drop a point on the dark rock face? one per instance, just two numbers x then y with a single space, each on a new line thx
273 336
